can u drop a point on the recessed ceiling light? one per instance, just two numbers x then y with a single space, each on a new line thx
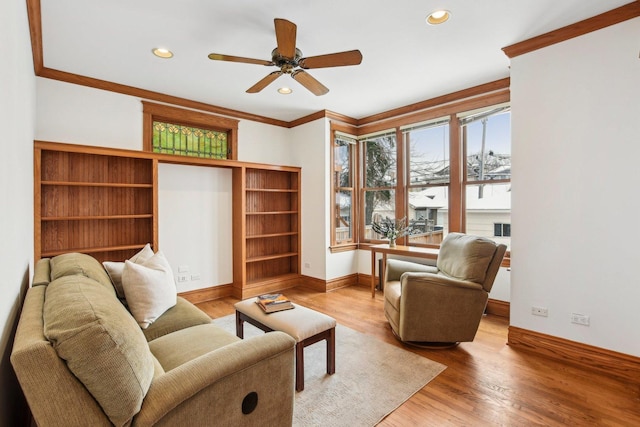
162 52
438 17
285 90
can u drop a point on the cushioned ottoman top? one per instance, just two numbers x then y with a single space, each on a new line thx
300 323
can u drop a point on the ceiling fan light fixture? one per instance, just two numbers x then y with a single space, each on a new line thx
285 90
438 17
161 52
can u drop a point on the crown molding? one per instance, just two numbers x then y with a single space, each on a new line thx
612 17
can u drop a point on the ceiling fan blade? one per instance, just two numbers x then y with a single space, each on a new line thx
264 82
340 59
220 57
308 81
286 37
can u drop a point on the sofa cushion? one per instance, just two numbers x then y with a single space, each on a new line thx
182 315
149 288
101 344
75 263
465 257
115 269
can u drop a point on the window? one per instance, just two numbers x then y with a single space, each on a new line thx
501 230
343 155
170 130
172 138
380 177
427 148
446 168
486 138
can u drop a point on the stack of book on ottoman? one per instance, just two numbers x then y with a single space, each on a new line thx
273 302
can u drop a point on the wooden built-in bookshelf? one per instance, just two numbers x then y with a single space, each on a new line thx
267 255
99 204
104 202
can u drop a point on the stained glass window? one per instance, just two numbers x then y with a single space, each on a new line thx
182 140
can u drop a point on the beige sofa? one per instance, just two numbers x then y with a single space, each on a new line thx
82 360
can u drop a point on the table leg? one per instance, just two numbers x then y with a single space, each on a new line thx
383 271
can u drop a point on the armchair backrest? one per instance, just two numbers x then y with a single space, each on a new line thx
472 258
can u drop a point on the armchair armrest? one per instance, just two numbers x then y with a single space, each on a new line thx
395 269
439 291
213 386
436 280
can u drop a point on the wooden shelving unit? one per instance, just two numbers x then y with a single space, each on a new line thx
104 205
267 252
104 202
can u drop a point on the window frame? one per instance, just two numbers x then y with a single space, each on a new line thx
157 112
362 189
466 182
352 243
457 184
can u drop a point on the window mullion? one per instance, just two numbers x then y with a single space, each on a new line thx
456 155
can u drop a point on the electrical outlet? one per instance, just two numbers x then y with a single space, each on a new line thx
580 319
182 278
195 276
540 311
307 265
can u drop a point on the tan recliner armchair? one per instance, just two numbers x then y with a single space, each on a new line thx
442 303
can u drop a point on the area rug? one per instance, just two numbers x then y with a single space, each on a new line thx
372 379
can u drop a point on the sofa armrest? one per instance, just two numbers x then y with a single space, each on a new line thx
42 272
215 385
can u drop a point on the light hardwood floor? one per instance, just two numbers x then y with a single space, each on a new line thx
486 383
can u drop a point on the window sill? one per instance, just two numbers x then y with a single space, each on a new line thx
343 248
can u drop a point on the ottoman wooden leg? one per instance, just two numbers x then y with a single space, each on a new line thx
239 325
300 366
331 351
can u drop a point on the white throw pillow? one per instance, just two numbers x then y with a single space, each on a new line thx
115 269
149 288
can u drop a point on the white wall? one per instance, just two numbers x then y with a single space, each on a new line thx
576 151
17 117
194 202
194 205
309 149
262 143
80 115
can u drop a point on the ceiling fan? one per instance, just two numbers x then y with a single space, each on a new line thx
290 61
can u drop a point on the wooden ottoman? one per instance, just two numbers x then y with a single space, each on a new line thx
304 325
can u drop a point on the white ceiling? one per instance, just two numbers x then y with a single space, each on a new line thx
404 59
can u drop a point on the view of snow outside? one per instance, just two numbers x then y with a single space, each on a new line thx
488 206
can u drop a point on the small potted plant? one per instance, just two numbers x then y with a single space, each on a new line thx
392 229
